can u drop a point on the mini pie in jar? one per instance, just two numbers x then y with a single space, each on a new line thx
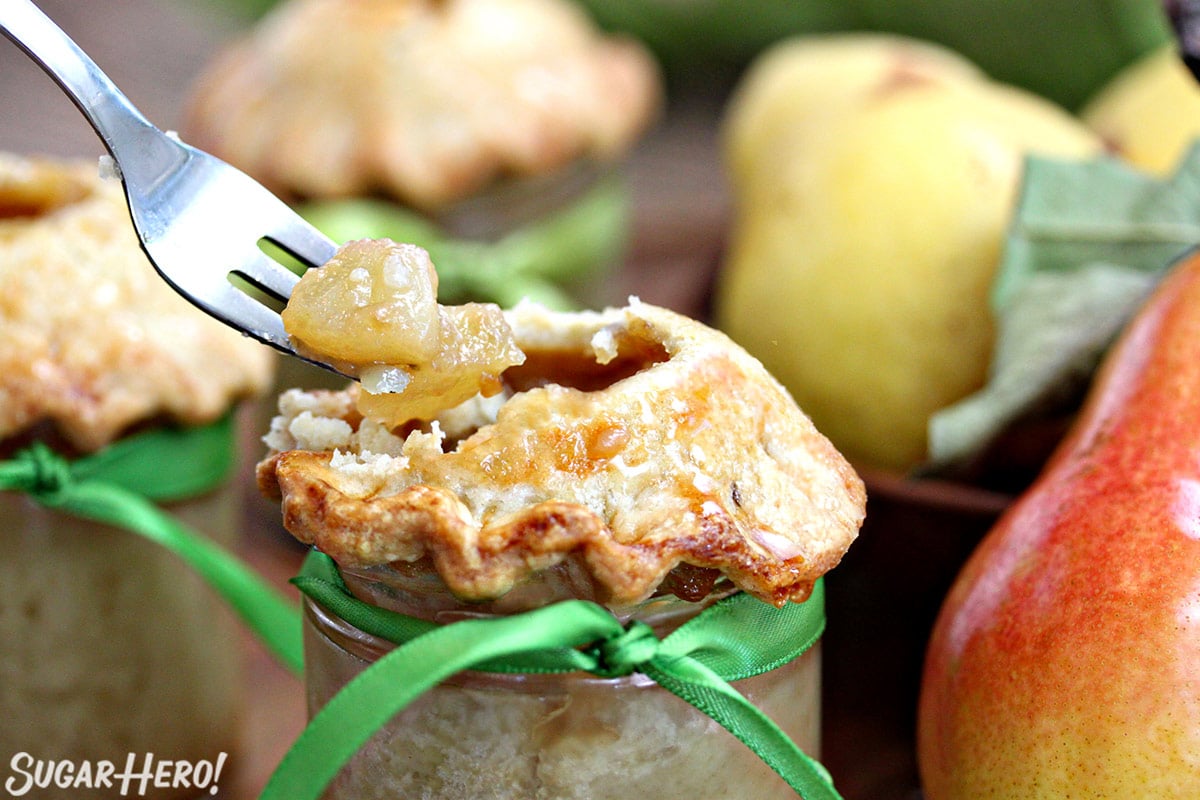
112 646
629 457
427 102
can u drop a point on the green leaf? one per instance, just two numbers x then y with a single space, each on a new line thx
1088 240
1071 214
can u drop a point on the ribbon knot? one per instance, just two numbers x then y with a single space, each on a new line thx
623 653
47 472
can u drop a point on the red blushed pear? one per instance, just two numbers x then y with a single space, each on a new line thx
1066 658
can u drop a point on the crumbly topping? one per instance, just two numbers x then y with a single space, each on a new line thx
429 101
630 442
92 340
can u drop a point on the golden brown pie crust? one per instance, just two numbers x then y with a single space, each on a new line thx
92 340
632 441
426 101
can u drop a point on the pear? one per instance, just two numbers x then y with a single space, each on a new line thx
872 178
1065 661
1149 114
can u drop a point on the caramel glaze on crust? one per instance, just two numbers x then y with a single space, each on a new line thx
634 440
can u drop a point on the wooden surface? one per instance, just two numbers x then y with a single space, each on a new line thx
153 48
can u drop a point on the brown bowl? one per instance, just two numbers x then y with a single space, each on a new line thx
881 604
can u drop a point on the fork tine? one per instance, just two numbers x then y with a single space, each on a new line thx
262 323
282 225
302 240
232 305
267 274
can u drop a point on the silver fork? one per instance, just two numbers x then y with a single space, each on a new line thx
199 220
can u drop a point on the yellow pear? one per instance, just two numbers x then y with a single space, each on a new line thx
1149 114
872 180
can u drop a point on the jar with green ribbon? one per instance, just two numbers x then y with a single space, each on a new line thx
118 462
578 703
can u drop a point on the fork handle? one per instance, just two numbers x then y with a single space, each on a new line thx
132 140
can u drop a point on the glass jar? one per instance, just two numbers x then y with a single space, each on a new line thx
490 736
112 645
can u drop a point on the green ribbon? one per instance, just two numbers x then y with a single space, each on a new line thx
119 486
733 639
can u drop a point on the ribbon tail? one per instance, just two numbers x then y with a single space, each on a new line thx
385 688
695 683
269 614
